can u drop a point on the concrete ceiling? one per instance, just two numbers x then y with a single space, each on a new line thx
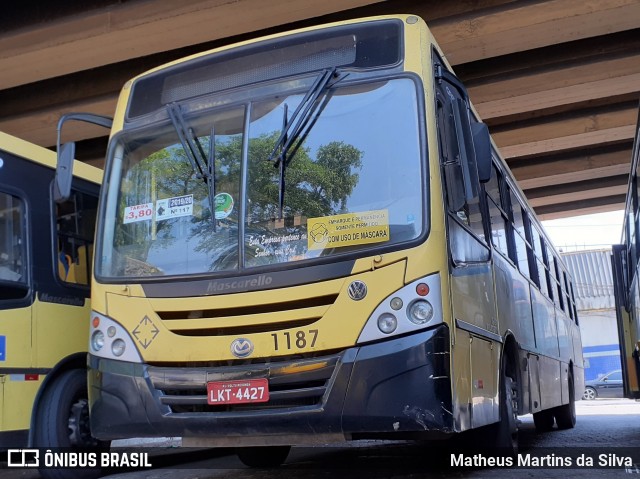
558 81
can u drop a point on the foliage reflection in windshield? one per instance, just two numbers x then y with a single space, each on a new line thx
355 178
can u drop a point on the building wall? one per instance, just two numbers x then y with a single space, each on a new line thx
593 283
599 342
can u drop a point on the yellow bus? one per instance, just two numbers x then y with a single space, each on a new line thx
309 237
45 272
625 280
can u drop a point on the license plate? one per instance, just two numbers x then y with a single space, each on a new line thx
238 392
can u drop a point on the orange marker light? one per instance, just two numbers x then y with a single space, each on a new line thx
422 289
95 322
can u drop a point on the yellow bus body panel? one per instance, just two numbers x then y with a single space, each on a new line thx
59 331
38 336
338 328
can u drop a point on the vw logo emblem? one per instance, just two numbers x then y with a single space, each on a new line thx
357 290
241 348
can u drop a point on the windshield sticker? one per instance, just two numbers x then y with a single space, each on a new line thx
143 212
224 205
174 207
283 246
348 229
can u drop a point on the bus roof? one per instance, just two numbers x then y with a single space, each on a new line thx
45 157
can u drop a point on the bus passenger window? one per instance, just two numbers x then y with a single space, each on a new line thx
76 220
496 214
12 248
542 277
555 283
567 293
521 243
573 305
466 228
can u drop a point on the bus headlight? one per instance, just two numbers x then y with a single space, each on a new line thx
396 304
412 308
118 347
97 340
115 343
420 312
387 323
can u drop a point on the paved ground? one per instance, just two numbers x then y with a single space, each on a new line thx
602 426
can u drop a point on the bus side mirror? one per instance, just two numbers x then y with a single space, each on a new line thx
66 153
482 145
64 172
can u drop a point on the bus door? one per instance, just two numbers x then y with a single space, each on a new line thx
474 313
62 308
476 356
15 311
627 333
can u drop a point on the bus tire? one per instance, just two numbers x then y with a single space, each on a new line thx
62 421
504 434
566 414
263 456
543 420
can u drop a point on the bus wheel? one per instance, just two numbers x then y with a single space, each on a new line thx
62 421
266 456
504 434
566 414
543 420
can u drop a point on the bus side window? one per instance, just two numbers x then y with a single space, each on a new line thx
466 226
541 275
13 270
567 296
497 215
573 305
75 221
522 245
557 289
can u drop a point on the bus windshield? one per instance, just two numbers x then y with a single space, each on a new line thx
352 181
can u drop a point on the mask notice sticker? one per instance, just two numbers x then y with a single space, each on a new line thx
348 229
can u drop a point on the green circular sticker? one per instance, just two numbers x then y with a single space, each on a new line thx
224 205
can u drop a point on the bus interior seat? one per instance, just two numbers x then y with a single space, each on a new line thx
66 268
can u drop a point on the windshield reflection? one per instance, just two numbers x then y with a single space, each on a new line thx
354 182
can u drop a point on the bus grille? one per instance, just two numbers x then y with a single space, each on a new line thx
296 383
247 319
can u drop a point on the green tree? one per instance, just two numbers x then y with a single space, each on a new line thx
314 187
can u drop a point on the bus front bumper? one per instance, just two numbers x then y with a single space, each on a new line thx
396 388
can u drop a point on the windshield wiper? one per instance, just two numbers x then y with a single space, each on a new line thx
211 175
298 127
204 166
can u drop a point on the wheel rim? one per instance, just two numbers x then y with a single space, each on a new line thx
589 394
572 398
79 427
511 391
